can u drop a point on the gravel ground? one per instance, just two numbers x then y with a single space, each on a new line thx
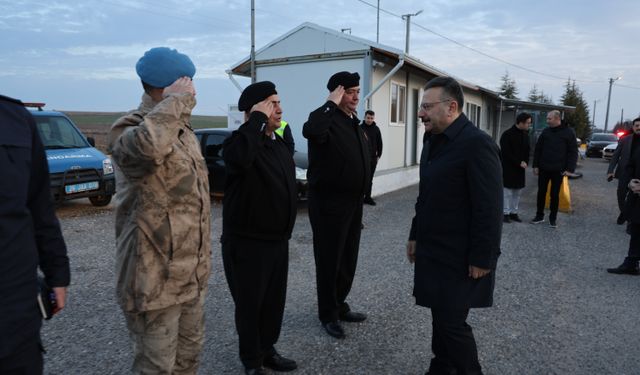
557 311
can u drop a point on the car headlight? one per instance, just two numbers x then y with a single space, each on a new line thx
107 167
301 174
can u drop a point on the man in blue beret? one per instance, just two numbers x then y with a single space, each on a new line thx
163 251
338 174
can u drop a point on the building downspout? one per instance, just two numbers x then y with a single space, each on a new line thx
233 80
367 98
499 127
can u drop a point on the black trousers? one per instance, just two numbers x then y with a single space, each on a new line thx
256 272
543 180
26 360
633 256
621 193
453 344
374 164
336 240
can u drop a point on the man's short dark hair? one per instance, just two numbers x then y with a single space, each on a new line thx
523 117
369 112
635 120
148 88
450 89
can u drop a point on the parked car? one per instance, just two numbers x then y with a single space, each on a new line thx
211 141
607 152
599 141
76 168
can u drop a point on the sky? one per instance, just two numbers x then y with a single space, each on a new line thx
81 55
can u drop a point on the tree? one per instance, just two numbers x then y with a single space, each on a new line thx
508 88
578 119
539 96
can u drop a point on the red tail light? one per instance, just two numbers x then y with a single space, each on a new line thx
620 134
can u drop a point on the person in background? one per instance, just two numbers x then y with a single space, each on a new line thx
374 140
284 131
555 156
30 238
514 149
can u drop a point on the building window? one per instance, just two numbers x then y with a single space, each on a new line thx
473 113
398 104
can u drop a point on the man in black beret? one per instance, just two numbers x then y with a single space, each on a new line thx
259 211
338 174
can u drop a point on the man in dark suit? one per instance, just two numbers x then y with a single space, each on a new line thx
257 220
455 234
632 205
618 165
30 238
514 149
374 140
338 175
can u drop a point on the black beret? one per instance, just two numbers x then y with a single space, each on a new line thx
346 79
255 93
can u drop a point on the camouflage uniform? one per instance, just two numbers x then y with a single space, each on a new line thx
163 255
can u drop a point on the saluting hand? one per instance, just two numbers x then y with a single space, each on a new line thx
265 106
336 95
182 85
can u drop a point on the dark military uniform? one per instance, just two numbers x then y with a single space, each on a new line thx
30 236
338 174
259 212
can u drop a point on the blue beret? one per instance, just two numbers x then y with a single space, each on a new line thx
345 79
162 66
255 93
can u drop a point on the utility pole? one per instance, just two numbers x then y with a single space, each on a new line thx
621 116
593 123
253 41
378 24
408 18
606 118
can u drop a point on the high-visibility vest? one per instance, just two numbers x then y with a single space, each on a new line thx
280 130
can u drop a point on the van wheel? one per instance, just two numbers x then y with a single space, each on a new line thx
100 200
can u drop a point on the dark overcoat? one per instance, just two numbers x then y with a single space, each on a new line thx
458 219
632 170
514 149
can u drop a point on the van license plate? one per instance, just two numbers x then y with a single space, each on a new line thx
85 186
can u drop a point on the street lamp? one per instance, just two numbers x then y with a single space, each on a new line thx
606 118
408 18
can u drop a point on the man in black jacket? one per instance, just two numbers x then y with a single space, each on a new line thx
555 156
259 212
338 175
374 140
455 234
30 237
514 148
618 166
632 213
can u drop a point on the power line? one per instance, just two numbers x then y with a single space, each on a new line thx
486 54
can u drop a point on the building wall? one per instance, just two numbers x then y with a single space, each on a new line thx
302 88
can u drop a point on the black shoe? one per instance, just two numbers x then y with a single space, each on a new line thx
552 223
334 329
515 217
621 219
353 317
279 363
255 371
506 219
537 220
625 269
369 201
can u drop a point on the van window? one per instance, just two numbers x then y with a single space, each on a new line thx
58 132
